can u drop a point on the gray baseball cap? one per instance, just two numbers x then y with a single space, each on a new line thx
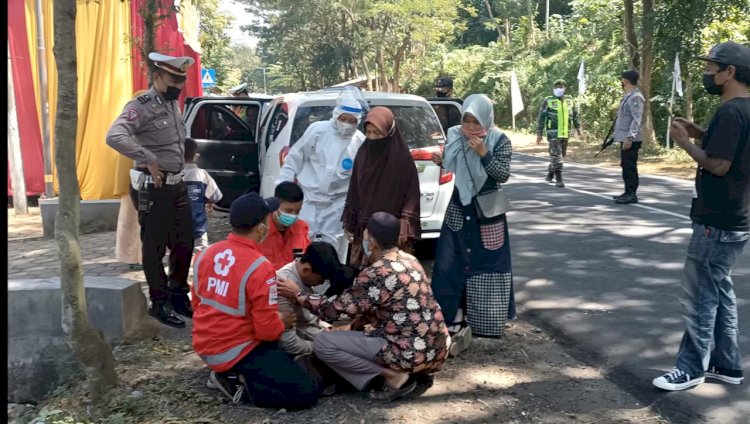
729 53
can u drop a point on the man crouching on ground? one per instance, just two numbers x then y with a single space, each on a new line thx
236 320
406 332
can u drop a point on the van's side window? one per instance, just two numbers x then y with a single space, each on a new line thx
278 121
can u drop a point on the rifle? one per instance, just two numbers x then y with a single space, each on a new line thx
609 139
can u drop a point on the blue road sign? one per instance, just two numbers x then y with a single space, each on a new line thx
208 77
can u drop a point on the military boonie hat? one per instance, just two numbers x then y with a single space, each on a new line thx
729 53
174 65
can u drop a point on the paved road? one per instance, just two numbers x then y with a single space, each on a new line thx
605 278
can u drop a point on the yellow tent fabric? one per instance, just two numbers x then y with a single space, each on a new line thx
105 85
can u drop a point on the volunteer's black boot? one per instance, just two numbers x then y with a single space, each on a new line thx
558 178
627 199
550 174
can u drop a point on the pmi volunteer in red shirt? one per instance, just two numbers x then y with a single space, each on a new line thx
287 233
236 319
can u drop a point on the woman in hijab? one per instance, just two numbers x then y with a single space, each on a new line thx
472 278
384 179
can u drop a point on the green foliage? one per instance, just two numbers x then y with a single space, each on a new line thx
215 51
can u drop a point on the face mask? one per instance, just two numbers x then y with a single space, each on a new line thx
709 83
558 92
173 93
287 219
345 129
366 248
441 94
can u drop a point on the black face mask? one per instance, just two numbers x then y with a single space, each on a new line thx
709 83
173 93
441 94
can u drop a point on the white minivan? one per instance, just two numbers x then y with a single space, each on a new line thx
247 156
289 116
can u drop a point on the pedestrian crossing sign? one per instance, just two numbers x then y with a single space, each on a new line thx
208 78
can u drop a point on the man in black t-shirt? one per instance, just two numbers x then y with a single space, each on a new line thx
721 224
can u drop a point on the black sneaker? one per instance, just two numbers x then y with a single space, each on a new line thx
549 176
619 196
677 379
725 375
627 199
164 313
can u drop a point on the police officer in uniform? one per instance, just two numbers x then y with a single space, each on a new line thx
628 133
447 115
239 91
150 130
556 116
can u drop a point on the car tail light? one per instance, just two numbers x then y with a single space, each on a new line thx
283 154
420 154
445 176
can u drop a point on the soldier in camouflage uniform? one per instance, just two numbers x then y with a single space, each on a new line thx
556 116
150 130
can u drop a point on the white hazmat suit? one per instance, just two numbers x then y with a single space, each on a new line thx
322 161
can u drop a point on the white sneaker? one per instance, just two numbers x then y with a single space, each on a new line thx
727 376
677 379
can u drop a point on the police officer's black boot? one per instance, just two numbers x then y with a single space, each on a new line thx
627 199
550 174
181 303
162 310
558 178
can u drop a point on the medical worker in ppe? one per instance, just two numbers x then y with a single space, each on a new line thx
321 161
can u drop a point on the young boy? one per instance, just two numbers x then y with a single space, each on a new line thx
288 236
203 192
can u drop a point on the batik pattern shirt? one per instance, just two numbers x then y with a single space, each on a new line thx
394 296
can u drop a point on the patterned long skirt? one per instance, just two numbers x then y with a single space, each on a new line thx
473 265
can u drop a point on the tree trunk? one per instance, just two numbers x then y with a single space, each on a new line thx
87 343
532 27
381 70
397 64
631 41
15 158
492 18
367 74
688 94
647 67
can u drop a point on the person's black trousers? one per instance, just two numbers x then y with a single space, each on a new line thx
274 380
167 223
629 164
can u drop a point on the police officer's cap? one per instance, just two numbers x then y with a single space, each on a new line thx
560 81
444 82
729 53
174 65
250 209
239 89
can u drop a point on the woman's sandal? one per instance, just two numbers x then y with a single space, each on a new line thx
389 394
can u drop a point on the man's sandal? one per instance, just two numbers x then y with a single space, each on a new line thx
389 394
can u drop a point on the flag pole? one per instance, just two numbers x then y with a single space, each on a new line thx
671 104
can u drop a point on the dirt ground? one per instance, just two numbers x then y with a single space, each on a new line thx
526 377
24 226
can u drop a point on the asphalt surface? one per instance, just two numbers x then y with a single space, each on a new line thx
605 279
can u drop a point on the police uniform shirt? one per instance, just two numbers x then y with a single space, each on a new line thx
629 117
150 129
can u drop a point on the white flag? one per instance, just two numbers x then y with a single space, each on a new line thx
581 80
515 94
677 75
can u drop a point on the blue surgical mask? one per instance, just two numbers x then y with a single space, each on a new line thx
366 247
287 219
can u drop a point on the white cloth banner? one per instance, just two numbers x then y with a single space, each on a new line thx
677 75
581 80
515 94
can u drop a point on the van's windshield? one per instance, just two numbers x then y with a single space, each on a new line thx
418 124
